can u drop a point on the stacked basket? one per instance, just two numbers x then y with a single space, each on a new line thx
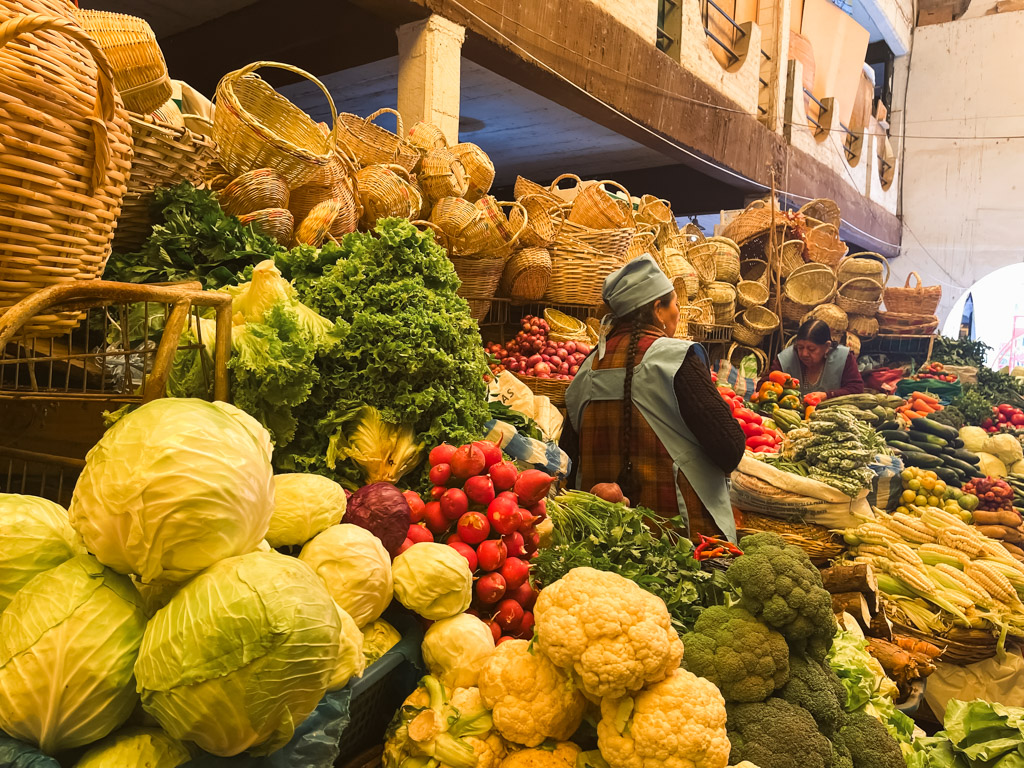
862 278
910 310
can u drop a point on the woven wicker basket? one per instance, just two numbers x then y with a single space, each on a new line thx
701 256
682 274
256 127
898 323
919 300
526 274
370 144
254 191
544 219
526 187
863 327
480 279
441 175
314 229
554 389
479 170
577 274
824 246
863 264
140 72
755 271
830 314
746 336
612 242
276 223
426 137
790 257
854 296
463 225
727 259
657 213
852 340
723 299
810 285
737 352
759 319
384 193
642 243
822 210
564 327
751 294
335 181
594 207
501 236
816 540
66 157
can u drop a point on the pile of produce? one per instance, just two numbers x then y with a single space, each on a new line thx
488 511
1005 418
927 444
532 353
1016 482
976 734
999 455
924 488
779 399
877 410
936 371
763 434
918 405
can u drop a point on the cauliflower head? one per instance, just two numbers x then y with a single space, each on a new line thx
779 584
562 755
615 636
490 750
531 699
741 655
776 734
815 687
676 723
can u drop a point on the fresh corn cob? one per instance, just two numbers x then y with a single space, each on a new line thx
871 550
1014 574
869 533
912 577
994 582
962 541
938 517
910 529
903 553
932 552
967 584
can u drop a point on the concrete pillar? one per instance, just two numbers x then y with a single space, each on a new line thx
773 16
429 70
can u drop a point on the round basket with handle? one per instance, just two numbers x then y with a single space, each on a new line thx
385 191
613 242
860 296
526 274
140 72
790 257
67 151
863 327
737 352
595 207
824 246
727 259
554 389
462 223
564 327
501 236
336 181
657 213
526 187
681 272
751 294
371 144
315 228
752 222
822 210
276 223
907 324
744 335
830 314
565 194
806 288
577 274
723 300
643 242
754 270
759 319
441 175
863 264
920 300
701 256
254 191
544 219
426 137
479 169
480 279
256 127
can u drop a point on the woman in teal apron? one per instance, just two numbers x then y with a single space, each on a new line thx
824 370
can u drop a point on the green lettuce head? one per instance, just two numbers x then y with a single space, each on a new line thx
136 748
433 580
240 655
35 536
304 505
68 642
173 488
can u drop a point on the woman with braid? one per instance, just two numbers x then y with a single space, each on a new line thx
644 413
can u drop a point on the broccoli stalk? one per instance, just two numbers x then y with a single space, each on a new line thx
427 731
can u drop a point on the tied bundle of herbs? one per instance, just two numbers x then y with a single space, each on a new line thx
589 531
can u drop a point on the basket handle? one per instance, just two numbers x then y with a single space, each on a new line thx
439 234
251 69
106 101
861 277
522 225
399 126
916 276
560 179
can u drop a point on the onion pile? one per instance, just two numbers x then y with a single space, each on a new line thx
532 353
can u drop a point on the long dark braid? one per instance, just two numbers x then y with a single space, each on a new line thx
627 479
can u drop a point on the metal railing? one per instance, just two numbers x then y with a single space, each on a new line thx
821 108
848 141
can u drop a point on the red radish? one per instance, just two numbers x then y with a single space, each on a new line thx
473 612
490 588
503 475
526 520
525 595
437 492
468 460
466 551
504 518
515 572
442 454
453 539
531 541
405 545
525 631
416 506
454 503
509 615
503 639
508 495
496 631
419 532
473 528
540 509
479 489
542 369
492 452
434 518
440 474
532 486
514 544
492 554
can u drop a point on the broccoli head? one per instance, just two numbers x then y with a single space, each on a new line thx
815 687
779 584
775 734
746 659
869 743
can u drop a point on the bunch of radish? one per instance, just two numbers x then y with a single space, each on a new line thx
532 353
485 508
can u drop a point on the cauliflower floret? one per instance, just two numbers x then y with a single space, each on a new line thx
563 755
677 723
490 751
531 699
614 635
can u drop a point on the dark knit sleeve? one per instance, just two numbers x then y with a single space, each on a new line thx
570 443
707 415
852 383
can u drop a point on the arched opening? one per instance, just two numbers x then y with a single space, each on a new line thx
992 311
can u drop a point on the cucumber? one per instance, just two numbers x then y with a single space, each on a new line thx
887 426
958 443
921 460
917 436
894 434
965 455
949 476
928 448
968 469
899 445
925 424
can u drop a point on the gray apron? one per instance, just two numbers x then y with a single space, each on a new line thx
831 374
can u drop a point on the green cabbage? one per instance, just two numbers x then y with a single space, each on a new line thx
173 488
35 536
433 580
356 569
240 655
136 748
379 637
68 642
455 649
351 662
304 505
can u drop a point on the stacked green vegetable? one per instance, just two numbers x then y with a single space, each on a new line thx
877 410
837 447
767 654
928 444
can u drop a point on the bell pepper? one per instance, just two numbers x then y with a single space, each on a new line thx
794 383
755 397
812 399
790 402
789 391
810 411
770 386
769 397
779 377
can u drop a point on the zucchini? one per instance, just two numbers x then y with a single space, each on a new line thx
894 434
958 443
899 445
965 455
921 460
886 426
924 424
949 476
926 437
928 448
968 469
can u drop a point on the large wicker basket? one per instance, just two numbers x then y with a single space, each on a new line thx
577 274
859 296
370 144
479 169
526 274
863 264
480 279
919 300
544 219
66 157
554 389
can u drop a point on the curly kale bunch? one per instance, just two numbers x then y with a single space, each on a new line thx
747 660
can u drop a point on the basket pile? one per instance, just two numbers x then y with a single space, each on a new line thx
910 310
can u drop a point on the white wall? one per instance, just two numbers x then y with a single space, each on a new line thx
639 15
963 200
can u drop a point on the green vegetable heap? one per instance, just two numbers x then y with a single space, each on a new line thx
767 654
977 734
837 447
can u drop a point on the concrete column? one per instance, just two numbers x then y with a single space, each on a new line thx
429 70
773 16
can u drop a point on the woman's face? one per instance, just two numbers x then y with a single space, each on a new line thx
811 354
668 315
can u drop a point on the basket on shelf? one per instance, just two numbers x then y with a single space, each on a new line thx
751 294
755 271
863 264
863 327
900 323
479 169
334 182
816 540
806 288
657 213
526 274
681 272
855 296
276 223
254 191
256 127
920 300
544 218
759 319
441 175
385 192
480 279
66 158
723 299
824 246
832 316
727 259
463 225
563 327
613 242
822 210
370 144
500 234
701 256
642 243
140 72
577 274
741 334
737 352
554 389
595 207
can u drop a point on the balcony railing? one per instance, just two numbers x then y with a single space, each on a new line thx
812 119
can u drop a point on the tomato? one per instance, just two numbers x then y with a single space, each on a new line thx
746 415
751 430
765 449
760 441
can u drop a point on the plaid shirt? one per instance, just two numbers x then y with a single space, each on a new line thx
600 440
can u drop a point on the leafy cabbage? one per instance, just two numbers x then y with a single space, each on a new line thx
240 655
173 488
455 649
351 662
136 748
304 505
68 642
35 535
356 568
379 637
385 452
433 580
1006 448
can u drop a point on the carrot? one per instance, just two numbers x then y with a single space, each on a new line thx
923 409
926 398
913 415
